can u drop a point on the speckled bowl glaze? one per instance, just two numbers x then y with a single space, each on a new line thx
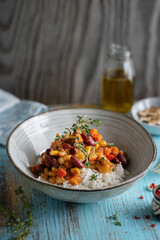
142 105
156 202
35 134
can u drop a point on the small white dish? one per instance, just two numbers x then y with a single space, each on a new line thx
142 105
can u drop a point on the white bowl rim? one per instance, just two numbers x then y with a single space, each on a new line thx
140 175
137 119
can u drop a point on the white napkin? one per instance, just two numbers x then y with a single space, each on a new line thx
7 100
13 111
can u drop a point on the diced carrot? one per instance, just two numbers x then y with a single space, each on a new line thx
93 131
110 157
74 179
79 138
115 151
61 172
97 137
106 151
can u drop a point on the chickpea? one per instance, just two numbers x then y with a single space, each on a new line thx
46 171
44 176
67 157
54 170
52 180
60 180
61 160
61 153
52 174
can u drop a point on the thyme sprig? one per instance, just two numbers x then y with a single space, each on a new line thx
20 225
87 163
110 144
96 122
114 219
81 147
81 125
93 177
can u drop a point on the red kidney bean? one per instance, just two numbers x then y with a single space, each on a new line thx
73 150
48 151
88 140
122 159
66 145
51 161
115 160
41 168
71 141
76 162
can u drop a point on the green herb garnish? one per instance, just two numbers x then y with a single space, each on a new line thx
114 219
115 216
118 223
110 144
57 138
81 147
95 122
81 125
102 158
20 225
93 177
87 163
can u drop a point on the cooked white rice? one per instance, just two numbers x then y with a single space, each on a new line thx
102 180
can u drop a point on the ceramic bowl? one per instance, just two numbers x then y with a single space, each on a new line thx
142 105
35 135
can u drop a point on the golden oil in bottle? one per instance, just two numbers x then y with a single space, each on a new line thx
118 80
117 91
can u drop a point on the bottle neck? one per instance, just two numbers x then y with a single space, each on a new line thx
119 52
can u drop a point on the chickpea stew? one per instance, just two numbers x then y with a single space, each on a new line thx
77 148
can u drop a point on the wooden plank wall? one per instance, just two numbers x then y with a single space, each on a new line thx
53 51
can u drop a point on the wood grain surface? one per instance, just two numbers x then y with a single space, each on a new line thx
53 51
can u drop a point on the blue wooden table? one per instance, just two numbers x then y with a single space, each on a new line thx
57 220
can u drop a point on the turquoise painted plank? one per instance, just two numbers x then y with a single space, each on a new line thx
69 221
